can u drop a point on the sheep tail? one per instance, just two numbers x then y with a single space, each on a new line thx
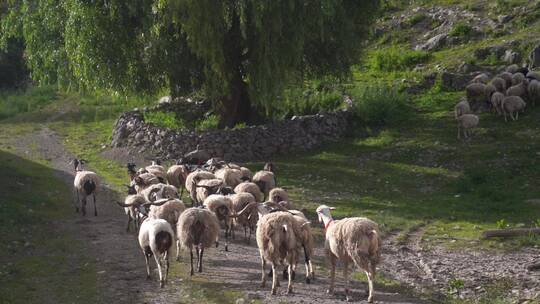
374 241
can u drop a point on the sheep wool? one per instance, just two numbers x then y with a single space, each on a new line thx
86 183
496 101
230 177
155 238
467 122
265 180
512 105
461 108
176 175
193 179
249 187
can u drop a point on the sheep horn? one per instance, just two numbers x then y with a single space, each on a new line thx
123 204
247 207
158 202
204 186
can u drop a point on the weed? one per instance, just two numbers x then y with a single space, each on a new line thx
461 30
396 58
209 123
381 105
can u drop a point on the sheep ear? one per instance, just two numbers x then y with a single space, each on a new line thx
331 208
320 217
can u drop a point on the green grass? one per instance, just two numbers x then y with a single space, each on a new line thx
395 58
164 120
34 266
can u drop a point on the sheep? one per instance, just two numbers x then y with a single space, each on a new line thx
246 220
247 175
158 170
279 195
355 240
476 94
168 209
249 187
511 105
517 78
265 180
277 243
496 102
144 180
507 77
481 78
200 228
193 179
177 175
512 68
499 84
461 108
155 238
207 187
131 205
489 90
86 183
519 89
466 122
534 91
230 177
222 207
533 75
131 171
159 191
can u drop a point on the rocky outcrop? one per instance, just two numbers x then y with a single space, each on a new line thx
534 57
301 133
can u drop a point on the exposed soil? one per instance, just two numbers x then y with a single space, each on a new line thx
121 271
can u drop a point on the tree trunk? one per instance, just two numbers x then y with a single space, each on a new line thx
236 107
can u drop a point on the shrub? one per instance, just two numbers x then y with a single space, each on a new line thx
209 123
380 105
396 59
31 100
318 96
414 20
165 120
461 30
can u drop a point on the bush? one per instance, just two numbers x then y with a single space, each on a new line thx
317 97
396 59
165 120
414 20
380 105
31 100
209 123
461 30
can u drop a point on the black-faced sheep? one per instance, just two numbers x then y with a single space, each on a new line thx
156 238
353 240
86 183
200 228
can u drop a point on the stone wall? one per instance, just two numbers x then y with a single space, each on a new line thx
261 142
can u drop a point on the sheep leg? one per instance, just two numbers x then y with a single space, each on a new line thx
181 191
263 269
332 274
95 208
201 251
191 255
146 258
158 262
166 258
308 262
517 115
77 202
458 132
291 275
83 207
348 298
178 250
505 119
129 222
275 279
371 276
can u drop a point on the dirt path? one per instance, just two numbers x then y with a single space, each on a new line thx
120 265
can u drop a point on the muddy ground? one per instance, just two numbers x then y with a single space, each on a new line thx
121 271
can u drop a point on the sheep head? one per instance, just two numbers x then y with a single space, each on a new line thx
131 189
131 168
324 210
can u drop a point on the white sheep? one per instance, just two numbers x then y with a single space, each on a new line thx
222 207
159 191
265 180
200 228
351 240
193 179
247 175
534 91
177 175
247 220
513 68
230 177
520 89
476 93
208 187
466 123
249 187
481 78
86 183
499 84
517 78
277 243
144 180
507 77
461 108
496 102
158 170
155 238
511 105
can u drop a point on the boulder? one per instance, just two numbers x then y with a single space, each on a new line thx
454 81
433 43
534 57
504 18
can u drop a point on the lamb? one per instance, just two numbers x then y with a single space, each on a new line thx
461 108
517 78
200 228
507 77
467 122
534 91
496 102
519 90
481 78
499 84
276 239
177 175
222 207
193 179
207 187
355 240
248 187
511 105
247 219
230 177
155 238
265 180
86 183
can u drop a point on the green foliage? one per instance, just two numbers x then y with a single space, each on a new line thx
164 119
502 224
493 60
315 97
209 123
396 58
455 285
415 19
13 71
31 100
381 105
461 30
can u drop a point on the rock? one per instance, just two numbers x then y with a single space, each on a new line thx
164 100
504 18
534 57
454 81
466 68
433 43
511 57
240 301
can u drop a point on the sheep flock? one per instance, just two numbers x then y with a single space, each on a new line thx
226 196
507 94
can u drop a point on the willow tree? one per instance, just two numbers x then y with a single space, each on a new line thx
241 52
